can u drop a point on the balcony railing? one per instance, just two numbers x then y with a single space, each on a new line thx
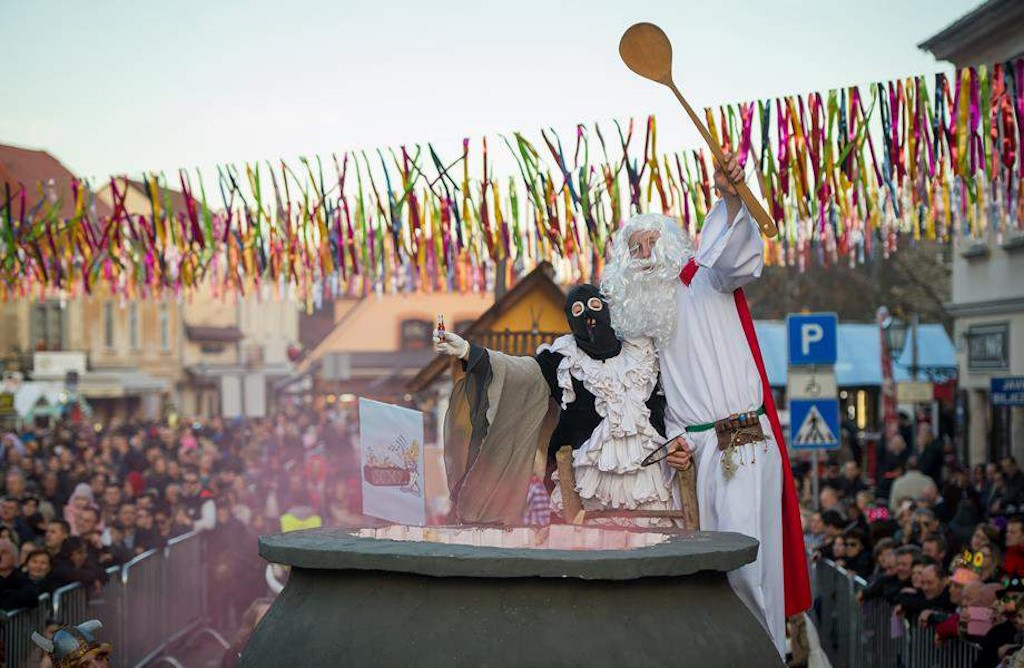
516 343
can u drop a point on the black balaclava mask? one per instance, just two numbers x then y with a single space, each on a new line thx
591 322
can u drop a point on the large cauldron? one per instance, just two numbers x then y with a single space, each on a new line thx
476 597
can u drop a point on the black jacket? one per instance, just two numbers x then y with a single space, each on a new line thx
44 586
16 591
880 586
930 461
861 564
65 572
914 605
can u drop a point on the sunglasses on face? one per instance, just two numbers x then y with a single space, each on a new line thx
594 304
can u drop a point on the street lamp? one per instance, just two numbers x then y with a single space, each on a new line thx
895 333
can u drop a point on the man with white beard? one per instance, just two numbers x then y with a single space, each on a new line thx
719 410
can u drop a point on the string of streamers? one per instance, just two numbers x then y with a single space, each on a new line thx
849 175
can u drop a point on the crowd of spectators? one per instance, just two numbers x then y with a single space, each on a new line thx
79 498
941 545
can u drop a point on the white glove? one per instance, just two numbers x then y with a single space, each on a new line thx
452 344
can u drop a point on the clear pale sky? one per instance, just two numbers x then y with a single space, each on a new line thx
121 87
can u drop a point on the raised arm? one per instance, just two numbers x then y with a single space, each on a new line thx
731 249
474 358
730 242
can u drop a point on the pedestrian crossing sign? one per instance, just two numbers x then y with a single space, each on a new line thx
814 424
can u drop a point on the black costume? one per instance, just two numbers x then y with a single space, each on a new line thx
578 417
594 335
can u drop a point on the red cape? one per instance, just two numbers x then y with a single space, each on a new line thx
796 581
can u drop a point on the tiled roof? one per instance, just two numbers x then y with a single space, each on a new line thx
22 166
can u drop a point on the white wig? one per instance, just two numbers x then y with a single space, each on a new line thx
641 292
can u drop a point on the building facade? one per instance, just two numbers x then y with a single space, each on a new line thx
199 354
988 291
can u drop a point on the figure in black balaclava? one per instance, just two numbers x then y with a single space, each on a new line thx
626 414
591 322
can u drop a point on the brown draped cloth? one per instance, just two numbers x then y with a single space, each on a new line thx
495 424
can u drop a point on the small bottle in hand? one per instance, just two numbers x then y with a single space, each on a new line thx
440 326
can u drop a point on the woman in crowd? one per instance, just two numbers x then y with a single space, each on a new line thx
39 569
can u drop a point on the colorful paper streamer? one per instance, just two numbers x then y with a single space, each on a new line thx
849 174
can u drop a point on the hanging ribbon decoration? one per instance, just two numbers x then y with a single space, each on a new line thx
850 175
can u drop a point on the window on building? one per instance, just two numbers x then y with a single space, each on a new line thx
108 325
988 346
165 327
416 334
133 326
46 326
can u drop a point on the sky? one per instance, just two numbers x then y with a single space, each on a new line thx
116 87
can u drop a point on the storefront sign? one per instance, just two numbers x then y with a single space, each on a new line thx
915 392
1008 391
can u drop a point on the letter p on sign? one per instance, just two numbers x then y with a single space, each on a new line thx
810 332
812 339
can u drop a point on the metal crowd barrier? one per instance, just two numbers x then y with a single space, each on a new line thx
107 608
181 558
71 603
144 588
18 626
869 634
133 606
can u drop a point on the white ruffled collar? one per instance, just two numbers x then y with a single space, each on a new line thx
635 367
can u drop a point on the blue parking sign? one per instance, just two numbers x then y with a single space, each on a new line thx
812 338
814 423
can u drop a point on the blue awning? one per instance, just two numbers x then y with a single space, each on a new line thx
937 350
859 363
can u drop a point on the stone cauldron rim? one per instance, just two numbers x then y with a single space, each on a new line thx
685 553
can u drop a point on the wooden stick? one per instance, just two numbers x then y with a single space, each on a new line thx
687 480
753 204
572 506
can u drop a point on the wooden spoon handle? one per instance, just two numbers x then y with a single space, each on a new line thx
753 204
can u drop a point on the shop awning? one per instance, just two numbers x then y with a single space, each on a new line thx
115 383
860 353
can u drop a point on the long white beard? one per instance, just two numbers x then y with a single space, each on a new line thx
647 305
641 292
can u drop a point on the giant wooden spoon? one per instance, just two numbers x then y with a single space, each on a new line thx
645 49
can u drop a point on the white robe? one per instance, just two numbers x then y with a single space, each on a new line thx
709 373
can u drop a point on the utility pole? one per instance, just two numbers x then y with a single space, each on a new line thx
914 321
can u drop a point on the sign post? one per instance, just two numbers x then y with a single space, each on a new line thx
812 389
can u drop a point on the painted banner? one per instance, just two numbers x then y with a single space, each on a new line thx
391 444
